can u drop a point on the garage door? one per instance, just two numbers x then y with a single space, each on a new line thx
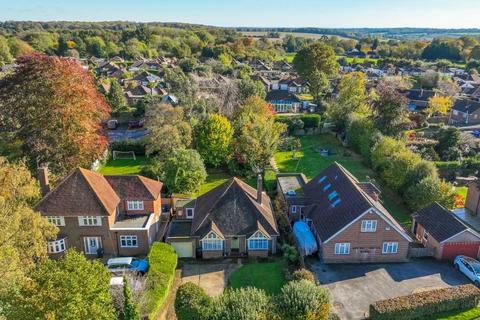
453 249
183 249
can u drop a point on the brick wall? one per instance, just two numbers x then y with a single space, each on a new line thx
366 246
430 242
473 198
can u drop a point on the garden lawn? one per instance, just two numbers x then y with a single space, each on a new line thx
124 166
455 315
267 276
310 162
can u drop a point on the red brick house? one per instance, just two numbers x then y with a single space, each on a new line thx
116 215
233 219
438 229
347 219
465 112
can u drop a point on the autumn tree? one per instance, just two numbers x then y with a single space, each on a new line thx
318 85
352 97
390 108
317 56
70 288
256 133
213 139
115 97
168 129
52 106
23 232
184 171
439 105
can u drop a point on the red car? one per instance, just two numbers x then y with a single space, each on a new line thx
135 124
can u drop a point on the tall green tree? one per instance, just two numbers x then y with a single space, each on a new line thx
449 145
5 54
390 108
115 97
69 289
213 139
318 85
352 98
248 88
256 134
168 129
23 232
184 171
317 56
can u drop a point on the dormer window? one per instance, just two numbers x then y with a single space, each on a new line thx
258 241
134 205
189 213
369 226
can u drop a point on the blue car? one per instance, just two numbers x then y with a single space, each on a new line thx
120 266
469 267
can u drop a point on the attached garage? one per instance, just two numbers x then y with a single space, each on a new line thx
440 230
183 249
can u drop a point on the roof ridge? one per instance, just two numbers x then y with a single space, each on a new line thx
102 203
229 182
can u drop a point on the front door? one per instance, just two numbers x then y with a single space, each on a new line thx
92 244
235 244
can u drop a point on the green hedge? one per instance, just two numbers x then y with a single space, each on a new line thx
163 262
426 304
311 120
137 146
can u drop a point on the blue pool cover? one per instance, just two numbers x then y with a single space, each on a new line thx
305 238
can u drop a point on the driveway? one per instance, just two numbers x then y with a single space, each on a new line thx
355 286
211 276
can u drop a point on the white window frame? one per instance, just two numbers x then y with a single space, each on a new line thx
56 246
86 246
294 209
59 221
390 247
212 242
128 241
342 248
90 221
135 205
425 235
258 241
189 212
369 226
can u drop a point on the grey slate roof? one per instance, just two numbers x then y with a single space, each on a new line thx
337 198
439 222
233 208
464 105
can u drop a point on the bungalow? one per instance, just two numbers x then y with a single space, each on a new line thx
139 93
347 218
145 78
233 219
465 112
282 66
96 214
439 229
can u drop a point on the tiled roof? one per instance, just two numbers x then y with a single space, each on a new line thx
135 187
83 192
234 210
337 198
439 222
465 105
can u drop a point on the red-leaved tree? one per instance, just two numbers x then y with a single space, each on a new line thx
51 105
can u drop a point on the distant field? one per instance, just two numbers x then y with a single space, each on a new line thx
259 34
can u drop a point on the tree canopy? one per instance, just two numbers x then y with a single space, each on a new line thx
213 140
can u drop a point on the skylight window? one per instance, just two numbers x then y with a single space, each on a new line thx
332 195
322 179
336 202
327 187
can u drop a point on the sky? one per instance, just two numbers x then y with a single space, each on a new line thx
255 13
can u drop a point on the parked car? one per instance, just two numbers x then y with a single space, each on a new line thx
469 267
119 266
136 124
476 133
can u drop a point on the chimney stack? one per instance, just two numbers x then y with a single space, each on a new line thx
259 188
42 173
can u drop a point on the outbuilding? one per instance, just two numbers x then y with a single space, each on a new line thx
437 228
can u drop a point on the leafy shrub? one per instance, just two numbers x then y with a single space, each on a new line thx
290 253
191 302
293 123
303 300
311 120
137 146
425 304
303 274
244 303
163 261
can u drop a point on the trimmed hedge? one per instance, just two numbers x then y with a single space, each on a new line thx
426 304
163 262
310 120
137 146
191 302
